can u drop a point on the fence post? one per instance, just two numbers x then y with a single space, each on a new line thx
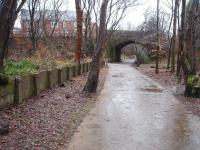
59 76
18 90
74 70
84 68
50 78
36 82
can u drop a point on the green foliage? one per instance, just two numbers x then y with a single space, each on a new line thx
142 58
19 68
193 86
192 80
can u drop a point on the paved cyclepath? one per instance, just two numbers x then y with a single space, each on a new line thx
136 113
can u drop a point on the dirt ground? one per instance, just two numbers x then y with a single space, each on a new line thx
49 121
168 80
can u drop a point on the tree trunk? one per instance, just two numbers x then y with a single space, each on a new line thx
190 37
169 38
93 77
158 39
8 14
181 38
169 54
7 20
187 52
79 15
174 37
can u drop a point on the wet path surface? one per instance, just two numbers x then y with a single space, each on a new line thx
136 113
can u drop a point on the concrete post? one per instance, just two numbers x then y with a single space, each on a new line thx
67 74
50 78
59 76
74 70
36 82
18 90
70 72
89 64
86 67
83 66
79 69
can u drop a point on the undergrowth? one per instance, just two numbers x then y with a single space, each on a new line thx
142 58
19 67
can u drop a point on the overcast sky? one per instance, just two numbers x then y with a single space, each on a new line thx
135 16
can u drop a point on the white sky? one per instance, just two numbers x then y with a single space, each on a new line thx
135 15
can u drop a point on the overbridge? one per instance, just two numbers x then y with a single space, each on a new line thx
122 38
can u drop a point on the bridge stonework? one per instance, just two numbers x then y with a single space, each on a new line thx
122 38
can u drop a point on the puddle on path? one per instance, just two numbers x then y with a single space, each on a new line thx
152 88
120 75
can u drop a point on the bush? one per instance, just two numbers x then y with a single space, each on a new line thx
142 58
19 67
192 87
45 59
192 80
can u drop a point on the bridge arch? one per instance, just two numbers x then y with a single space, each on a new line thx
122 38
116 49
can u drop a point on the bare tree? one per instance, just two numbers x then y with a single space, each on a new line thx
54 15
190 31
150 22
34 21
93 77
96 8
88 26
117 10
174 36
169 35
186 42
9 10
79 16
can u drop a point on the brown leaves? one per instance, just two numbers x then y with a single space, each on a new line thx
47 122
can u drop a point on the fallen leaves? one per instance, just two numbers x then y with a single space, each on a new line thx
48 121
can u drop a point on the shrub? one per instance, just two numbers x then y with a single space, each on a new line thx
142 58
192 80
45 59
192 86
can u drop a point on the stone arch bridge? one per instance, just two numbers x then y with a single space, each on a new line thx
122 38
